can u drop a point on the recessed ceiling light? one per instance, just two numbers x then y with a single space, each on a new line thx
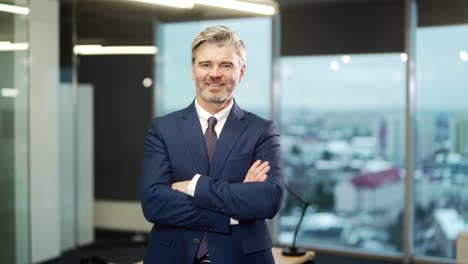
463 55
403 57
346 59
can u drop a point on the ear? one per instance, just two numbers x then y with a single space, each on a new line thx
242 73
193 73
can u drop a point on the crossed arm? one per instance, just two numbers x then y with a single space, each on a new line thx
256 173
216 201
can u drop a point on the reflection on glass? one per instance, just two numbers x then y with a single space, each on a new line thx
175 88
342 132
14 182
441 175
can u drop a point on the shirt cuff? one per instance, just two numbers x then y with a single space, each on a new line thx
233 221
192 185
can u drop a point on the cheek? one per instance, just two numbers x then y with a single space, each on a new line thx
198 78
234 79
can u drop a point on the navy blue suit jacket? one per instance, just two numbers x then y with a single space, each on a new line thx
175 151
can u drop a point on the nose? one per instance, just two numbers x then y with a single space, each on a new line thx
215 72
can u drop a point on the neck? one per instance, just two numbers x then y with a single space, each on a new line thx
214 108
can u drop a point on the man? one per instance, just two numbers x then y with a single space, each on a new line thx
212 172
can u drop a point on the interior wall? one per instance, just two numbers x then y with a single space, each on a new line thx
439 13
122 111
122 105
342 28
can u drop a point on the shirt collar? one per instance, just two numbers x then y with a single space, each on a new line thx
221 116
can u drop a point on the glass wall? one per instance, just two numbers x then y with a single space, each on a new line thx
14 181
441 171
175 88
342 133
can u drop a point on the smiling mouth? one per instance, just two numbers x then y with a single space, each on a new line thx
214 85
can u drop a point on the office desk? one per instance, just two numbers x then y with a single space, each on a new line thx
280 259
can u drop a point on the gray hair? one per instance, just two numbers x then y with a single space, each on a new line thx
220 35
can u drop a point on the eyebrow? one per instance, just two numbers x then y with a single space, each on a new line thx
222 62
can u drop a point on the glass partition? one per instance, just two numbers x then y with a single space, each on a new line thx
14 181
441 171
342 134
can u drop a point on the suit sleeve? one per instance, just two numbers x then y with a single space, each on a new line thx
163 205
248 201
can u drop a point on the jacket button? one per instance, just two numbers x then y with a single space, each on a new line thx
196 241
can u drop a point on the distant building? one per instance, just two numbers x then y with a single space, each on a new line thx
371 191
449 223
461 136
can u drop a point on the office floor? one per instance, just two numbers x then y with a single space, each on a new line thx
109 247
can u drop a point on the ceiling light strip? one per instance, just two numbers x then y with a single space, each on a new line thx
8 46
14 9
239 5
9 92
114 50
171 3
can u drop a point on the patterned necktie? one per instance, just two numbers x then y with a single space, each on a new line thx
210 140
211 137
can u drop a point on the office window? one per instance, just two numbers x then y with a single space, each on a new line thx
441 169
342 133
175 88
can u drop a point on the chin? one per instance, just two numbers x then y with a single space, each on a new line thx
217 98
213 98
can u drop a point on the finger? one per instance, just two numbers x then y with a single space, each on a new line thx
260 168
265 170
260 176
254 166
251 170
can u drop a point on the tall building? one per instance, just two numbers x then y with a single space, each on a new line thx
461 135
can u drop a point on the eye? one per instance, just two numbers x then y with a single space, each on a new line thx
227 66
204 65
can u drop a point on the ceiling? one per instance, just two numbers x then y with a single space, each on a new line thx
88 11
168 14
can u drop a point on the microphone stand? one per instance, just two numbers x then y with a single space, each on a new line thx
293 250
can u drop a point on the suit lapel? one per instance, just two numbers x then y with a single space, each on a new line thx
190 126
233 128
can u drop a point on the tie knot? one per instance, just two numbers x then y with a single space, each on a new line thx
212 122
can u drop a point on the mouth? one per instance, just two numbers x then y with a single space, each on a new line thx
215 85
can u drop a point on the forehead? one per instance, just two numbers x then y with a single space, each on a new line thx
216 52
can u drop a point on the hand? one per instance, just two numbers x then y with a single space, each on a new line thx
257 172
180 186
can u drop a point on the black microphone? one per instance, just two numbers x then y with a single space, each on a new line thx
293 250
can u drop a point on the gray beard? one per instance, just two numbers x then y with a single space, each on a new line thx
216 99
